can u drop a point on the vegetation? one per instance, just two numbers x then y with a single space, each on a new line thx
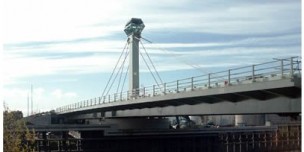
16 136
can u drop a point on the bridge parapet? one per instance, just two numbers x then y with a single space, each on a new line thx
288 68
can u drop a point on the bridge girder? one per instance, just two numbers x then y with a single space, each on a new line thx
279 96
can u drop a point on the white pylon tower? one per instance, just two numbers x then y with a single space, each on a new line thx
133 30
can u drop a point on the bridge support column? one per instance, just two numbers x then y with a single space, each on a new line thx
250 120
64 144
44 137
239 120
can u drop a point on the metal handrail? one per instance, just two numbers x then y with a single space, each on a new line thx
281 68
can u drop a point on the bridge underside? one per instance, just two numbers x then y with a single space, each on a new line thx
280 96
250 106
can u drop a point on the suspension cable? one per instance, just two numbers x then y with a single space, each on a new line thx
151 63
117 73
197 67
150 70
123 84
114 69
121 72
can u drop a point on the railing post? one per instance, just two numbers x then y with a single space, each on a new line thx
99 100
144 91
192 85
177 82
114 97
120 96
253 73
209 82
291 67
109 98
165 88
282 68
128 95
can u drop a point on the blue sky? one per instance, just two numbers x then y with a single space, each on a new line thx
67 49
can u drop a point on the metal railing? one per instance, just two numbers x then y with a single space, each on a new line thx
274 70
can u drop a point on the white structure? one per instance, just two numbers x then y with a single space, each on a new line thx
133 30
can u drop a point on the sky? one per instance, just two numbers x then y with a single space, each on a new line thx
67 49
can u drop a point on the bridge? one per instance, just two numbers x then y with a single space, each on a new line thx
272 87
267 88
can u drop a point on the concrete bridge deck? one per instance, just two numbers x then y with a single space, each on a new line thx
272 87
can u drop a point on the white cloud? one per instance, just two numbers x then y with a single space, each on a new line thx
233 19
70 94
35 20
53 20
21 65
16 98
83 47
59 94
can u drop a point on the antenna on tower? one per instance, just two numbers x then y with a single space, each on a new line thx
28 104
31 99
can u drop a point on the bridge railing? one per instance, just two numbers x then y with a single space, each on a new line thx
277 69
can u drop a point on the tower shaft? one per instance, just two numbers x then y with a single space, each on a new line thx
133 30
134 64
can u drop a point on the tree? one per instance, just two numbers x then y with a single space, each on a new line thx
16 136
